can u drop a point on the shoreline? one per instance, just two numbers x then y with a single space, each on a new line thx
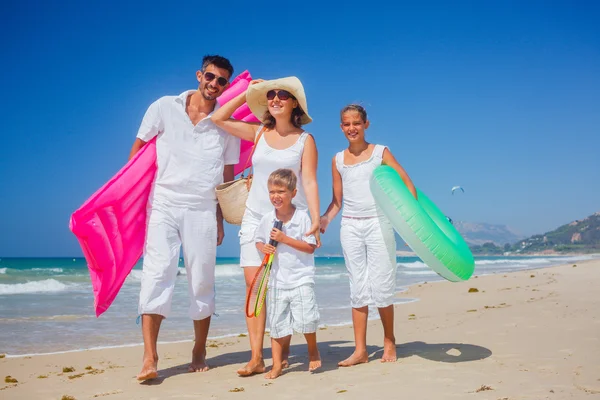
512 339
401 290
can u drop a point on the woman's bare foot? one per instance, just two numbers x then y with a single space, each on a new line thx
389 350
355 358
274 373
314 362
285 364
198 361
149 370
253 367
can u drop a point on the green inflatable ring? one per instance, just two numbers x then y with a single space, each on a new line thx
422 226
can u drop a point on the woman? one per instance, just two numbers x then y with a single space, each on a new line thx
280 142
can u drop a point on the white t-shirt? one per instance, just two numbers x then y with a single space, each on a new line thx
190 158
291 268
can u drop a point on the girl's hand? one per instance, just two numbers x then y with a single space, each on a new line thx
268 249
277 235
324 223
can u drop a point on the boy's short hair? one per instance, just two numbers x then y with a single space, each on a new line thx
283 177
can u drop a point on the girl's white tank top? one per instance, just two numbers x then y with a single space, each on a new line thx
265 160
357 199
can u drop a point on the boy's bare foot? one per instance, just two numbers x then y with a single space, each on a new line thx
314 362
389 350
274 373
253 367
355 358
198 361
149 370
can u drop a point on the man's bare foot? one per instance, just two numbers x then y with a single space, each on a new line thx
355 358
198 363
274 373
253 367
389 350
314 362
149 370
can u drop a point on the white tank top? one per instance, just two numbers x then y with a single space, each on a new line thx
265 160
357 199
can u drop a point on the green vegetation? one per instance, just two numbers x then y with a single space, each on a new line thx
577 237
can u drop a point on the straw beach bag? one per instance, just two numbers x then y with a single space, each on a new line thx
232 195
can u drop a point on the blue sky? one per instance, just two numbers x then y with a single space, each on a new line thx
500 97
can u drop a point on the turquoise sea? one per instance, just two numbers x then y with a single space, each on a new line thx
46 304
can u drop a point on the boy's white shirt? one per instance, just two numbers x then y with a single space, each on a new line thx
291 268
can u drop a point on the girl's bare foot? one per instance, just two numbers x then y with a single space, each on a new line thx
198 361
274 373
389 350
149 370
314 362
355 358
253 367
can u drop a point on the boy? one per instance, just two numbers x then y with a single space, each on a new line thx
291 304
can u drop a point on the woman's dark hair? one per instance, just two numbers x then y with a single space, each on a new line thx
355 107
296 118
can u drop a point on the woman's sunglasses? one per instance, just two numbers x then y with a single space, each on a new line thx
281 94
209 76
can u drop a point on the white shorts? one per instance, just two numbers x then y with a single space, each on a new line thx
290 310
249 254
369 249
168 229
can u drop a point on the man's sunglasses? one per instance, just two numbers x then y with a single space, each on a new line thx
281 94
209 76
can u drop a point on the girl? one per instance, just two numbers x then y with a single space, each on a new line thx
367 237
280 143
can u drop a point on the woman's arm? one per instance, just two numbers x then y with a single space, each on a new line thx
222 118
309 182
388 159
336 200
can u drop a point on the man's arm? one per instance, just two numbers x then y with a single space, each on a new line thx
227 177
137 145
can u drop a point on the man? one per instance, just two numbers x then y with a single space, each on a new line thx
193 157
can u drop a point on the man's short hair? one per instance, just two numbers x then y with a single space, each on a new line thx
217 61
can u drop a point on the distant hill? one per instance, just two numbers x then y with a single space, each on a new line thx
478 233
577 236
581 236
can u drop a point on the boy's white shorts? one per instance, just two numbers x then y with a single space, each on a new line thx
168 229
290 310
369 249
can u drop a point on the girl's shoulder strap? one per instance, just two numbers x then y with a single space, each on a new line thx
339 161
378 151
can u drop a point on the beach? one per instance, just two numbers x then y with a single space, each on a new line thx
530 334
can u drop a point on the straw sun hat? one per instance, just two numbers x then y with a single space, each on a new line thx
256 96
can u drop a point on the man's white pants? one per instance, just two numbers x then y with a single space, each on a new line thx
369 249
168 229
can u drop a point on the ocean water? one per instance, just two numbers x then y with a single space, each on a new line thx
46 304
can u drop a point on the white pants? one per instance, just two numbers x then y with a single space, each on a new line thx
168 229
249 254
369 249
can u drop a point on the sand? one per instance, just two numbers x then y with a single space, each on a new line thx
525 335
